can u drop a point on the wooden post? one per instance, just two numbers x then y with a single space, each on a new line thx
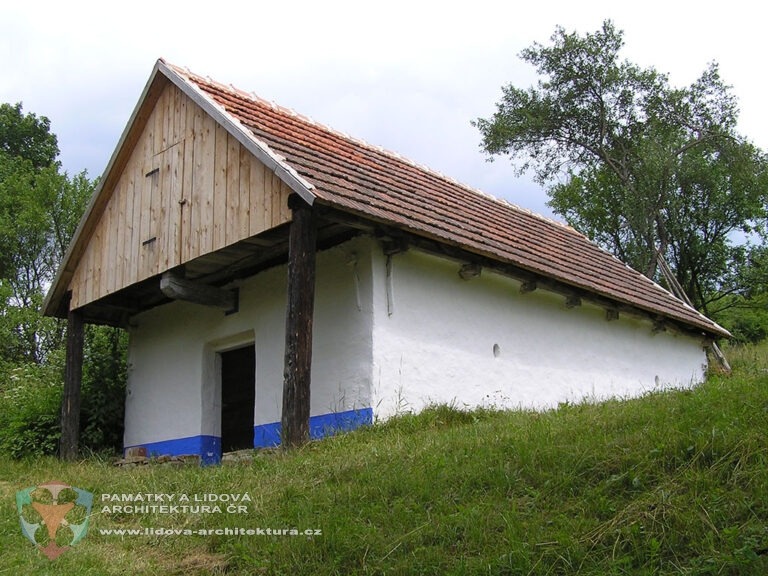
70 402
298 324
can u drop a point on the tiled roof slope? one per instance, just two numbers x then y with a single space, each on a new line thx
368 181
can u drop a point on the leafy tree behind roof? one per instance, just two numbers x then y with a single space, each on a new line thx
634 163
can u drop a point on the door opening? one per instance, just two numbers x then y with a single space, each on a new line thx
238 396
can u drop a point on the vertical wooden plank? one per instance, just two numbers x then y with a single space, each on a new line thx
188 183
233 189
274 199
144 246
284 194
164 244
94 286
131 228
298 325
70 401
244 212
181 114
195 196
256 203
110 249
120 198
103 253
158 121
220 190
152 247
266 200
168 121
206 182
175 206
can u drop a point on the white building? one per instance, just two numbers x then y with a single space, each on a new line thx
424 291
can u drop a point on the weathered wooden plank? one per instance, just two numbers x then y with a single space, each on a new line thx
188 185
145 213
94 278
158 118
70 402
175 207
220 190
274 199
282 192
110 253
195 197
244 212
298 325
266 200
204 182
129 249
233 189
256 192
168 112
164 236
120 198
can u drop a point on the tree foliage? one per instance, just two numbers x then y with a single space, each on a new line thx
40 207
637 164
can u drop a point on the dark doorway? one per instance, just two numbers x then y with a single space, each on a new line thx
238 394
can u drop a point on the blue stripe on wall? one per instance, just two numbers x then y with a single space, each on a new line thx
208 447
268 435
264 436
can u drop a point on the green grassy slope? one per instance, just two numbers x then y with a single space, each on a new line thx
671 483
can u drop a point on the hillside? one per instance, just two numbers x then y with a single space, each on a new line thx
671 483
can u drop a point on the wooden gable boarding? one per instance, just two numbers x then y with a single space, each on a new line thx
187 188
186 184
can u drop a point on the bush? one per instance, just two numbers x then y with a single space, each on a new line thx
30 400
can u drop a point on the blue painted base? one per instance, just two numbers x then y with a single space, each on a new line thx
268 435
208 447
264 436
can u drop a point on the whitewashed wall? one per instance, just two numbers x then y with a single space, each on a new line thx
392 343
440 339
173 395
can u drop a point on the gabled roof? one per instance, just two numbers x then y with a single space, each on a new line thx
359 178
331 169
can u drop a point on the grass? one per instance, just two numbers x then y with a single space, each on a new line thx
671 483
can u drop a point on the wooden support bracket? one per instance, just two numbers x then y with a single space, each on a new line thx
178 288
528 286
572 302
469 271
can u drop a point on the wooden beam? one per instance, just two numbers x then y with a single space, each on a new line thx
302 247
178 288
70 402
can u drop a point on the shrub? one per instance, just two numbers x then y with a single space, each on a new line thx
30 400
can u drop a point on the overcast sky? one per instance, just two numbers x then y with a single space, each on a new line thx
405 75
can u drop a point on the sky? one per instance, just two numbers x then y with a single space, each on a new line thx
409 76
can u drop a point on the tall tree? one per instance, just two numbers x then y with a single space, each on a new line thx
636 164
39 209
